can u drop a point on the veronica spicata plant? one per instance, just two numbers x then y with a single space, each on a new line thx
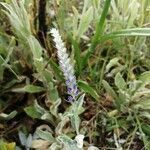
66 66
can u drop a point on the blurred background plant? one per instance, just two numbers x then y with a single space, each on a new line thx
108 42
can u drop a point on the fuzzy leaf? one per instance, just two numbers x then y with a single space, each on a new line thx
35 47
32 112
55 146
88 89
112 62
74 111
29 141
112 93
36 111
145 77
22 138
54 107
52 92
45 135
86 18
4 116
143 104
78 104
127 32
75 122
59 128
120 82
68 143
29 89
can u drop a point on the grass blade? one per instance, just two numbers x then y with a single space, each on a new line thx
99 31
88 89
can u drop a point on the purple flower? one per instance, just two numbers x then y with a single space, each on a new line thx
66 66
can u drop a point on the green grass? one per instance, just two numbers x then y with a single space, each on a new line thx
108 43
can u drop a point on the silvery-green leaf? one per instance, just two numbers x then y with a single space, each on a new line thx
145 77
75 122
143 93
40 109
29 141
112 93
45 135
86 19
29 89
54 107
55 146
68 143
48 75
86 3
35 47
48 117
61 124
145 114
52 92
36 111
32 112
88 89
135 85
114 71
112 62
4 116
75 20
75 109
19 22
77 105
120 82
143 104
4 64
39 65
22 138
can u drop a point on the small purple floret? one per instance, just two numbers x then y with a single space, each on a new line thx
69 90
70 99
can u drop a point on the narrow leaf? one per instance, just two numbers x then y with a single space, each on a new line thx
120 82
127 32
4 116
29 89
99 31
112 93
45 135
86 18
145 77
88 89
32 112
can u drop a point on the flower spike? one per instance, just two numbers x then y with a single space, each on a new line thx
66 66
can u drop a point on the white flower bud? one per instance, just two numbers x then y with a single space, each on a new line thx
79 139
